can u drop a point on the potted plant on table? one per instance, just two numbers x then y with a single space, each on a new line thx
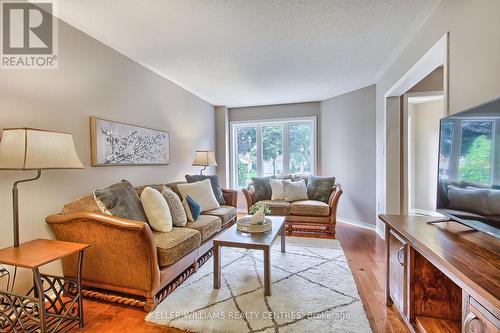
258 212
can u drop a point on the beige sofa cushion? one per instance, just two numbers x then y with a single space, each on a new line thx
278 207
174 245
309 208
225 213
207 225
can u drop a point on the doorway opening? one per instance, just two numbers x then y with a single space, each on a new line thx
413 109
423 112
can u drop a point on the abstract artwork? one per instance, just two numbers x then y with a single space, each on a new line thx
115 143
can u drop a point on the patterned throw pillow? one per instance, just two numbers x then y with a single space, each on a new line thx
295 191
319 188
214 181
179 218
122 200
262 187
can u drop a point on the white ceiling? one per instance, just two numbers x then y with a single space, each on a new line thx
254 52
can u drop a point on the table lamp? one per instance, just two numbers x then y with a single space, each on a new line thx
34 149
204 158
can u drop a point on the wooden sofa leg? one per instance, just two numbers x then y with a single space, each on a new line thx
332 230
151 304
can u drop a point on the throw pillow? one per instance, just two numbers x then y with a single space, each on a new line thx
179 218
192 209
262 187
122 200
201 192
319 188
156 209
295 191
277 190
214 182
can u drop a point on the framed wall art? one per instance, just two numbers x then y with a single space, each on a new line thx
114 144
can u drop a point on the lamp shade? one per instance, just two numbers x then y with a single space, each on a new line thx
204 158
35 149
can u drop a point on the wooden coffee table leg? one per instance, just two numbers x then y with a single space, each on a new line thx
217 266
283 238
267 272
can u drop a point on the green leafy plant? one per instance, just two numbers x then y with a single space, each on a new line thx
257 206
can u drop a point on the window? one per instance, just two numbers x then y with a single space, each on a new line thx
266 148
247 154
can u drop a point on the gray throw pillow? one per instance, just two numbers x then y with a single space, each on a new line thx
179 218
214 181
121 200
319 188
262 187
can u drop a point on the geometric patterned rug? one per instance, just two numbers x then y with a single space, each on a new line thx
312 291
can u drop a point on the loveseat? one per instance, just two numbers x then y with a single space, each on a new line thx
130 263
303 215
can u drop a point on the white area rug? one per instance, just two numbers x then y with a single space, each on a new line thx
312 291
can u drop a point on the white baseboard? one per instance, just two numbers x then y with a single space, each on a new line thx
380 232
356 223
339 219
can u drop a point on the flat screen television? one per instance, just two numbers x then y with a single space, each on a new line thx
469 168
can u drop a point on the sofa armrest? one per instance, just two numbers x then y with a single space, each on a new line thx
122 255
250 197
333 202
231 197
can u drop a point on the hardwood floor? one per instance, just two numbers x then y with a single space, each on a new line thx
364 251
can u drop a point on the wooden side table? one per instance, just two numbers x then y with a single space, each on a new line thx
54 303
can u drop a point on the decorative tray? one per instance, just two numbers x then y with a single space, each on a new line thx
244 225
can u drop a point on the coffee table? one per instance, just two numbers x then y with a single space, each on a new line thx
232 237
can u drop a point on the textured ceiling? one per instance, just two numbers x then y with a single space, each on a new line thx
254 52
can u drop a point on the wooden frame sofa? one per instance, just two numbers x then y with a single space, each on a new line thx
305 215
127 262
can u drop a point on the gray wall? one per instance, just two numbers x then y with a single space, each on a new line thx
275 111
93 80
348 151
432 82
474 50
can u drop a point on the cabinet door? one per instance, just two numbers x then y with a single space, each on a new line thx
397 272
477 319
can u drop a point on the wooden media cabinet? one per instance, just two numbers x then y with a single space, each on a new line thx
442 277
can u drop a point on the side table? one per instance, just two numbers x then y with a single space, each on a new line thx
54 303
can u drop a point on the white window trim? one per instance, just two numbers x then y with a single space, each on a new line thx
265 122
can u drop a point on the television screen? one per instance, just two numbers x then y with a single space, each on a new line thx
469 167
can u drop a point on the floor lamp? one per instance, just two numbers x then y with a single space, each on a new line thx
34 149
